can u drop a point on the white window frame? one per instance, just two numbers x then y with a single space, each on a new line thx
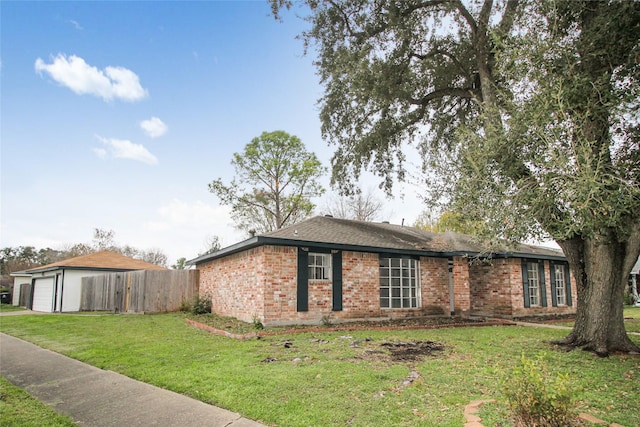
560 285
400 283
533 285
319 266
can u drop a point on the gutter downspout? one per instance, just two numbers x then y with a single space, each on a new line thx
452 309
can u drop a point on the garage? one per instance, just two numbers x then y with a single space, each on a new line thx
43 292
57 287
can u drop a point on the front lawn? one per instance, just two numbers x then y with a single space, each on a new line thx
4 308
17 408
631 319
357 378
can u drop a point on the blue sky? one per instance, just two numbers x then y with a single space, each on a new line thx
116 115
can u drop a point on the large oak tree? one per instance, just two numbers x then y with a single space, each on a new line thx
526 114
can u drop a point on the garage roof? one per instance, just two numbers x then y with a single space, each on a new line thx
103 260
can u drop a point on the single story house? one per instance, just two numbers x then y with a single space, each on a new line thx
57 287
329 268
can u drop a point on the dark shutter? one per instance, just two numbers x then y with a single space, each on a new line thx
552 276
542 285
525 284
303 281
336 261
567 285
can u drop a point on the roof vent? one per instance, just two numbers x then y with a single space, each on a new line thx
385 222
328 216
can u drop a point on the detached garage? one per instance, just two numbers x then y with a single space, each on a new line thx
57 287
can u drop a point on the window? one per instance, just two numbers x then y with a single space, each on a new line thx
399 283
560 285
533 283
319 266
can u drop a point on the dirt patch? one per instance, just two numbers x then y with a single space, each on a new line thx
401 352
412 351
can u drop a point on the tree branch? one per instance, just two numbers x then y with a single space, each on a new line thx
505 25
466 93
442 52
467 16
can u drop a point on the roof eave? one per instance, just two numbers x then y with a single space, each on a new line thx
256 241
262 240
71 267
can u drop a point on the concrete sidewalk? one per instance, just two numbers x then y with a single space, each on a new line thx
95 397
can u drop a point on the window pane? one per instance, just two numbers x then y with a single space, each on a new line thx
319 266
400 282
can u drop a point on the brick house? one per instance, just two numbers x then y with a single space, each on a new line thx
344 270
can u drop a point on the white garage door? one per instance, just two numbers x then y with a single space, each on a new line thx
43 294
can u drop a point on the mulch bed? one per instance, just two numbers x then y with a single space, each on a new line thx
387 325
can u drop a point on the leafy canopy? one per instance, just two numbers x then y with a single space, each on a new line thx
276 178
526 113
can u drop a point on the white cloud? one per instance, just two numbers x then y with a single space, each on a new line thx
183 227
124 149
75 24
154 127
100 152
197 214
108 84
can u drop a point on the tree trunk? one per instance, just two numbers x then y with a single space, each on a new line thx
599 266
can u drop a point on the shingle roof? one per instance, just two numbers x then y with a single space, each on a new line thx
103 260
379 237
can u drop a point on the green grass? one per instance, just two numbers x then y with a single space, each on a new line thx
17 408
4 308
631 319
324 379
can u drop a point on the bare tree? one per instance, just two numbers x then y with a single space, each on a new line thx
362 206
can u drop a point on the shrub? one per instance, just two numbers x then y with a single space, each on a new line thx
201 304
538 399
257 324
185 306
326 320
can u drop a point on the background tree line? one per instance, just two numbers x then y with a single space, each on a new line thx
19 258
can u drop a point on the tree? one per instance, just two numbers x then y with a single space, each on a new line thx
103 240
213 244
181 264
25 257
153 256
526 114
276 177
359 206
449 221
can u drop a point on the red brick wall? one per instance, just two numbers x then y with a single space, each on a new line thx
491 286
434 280
235 284
496 290
262 283
461 287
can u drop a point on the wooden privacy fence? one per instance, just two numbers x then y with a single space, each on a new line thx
144 291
